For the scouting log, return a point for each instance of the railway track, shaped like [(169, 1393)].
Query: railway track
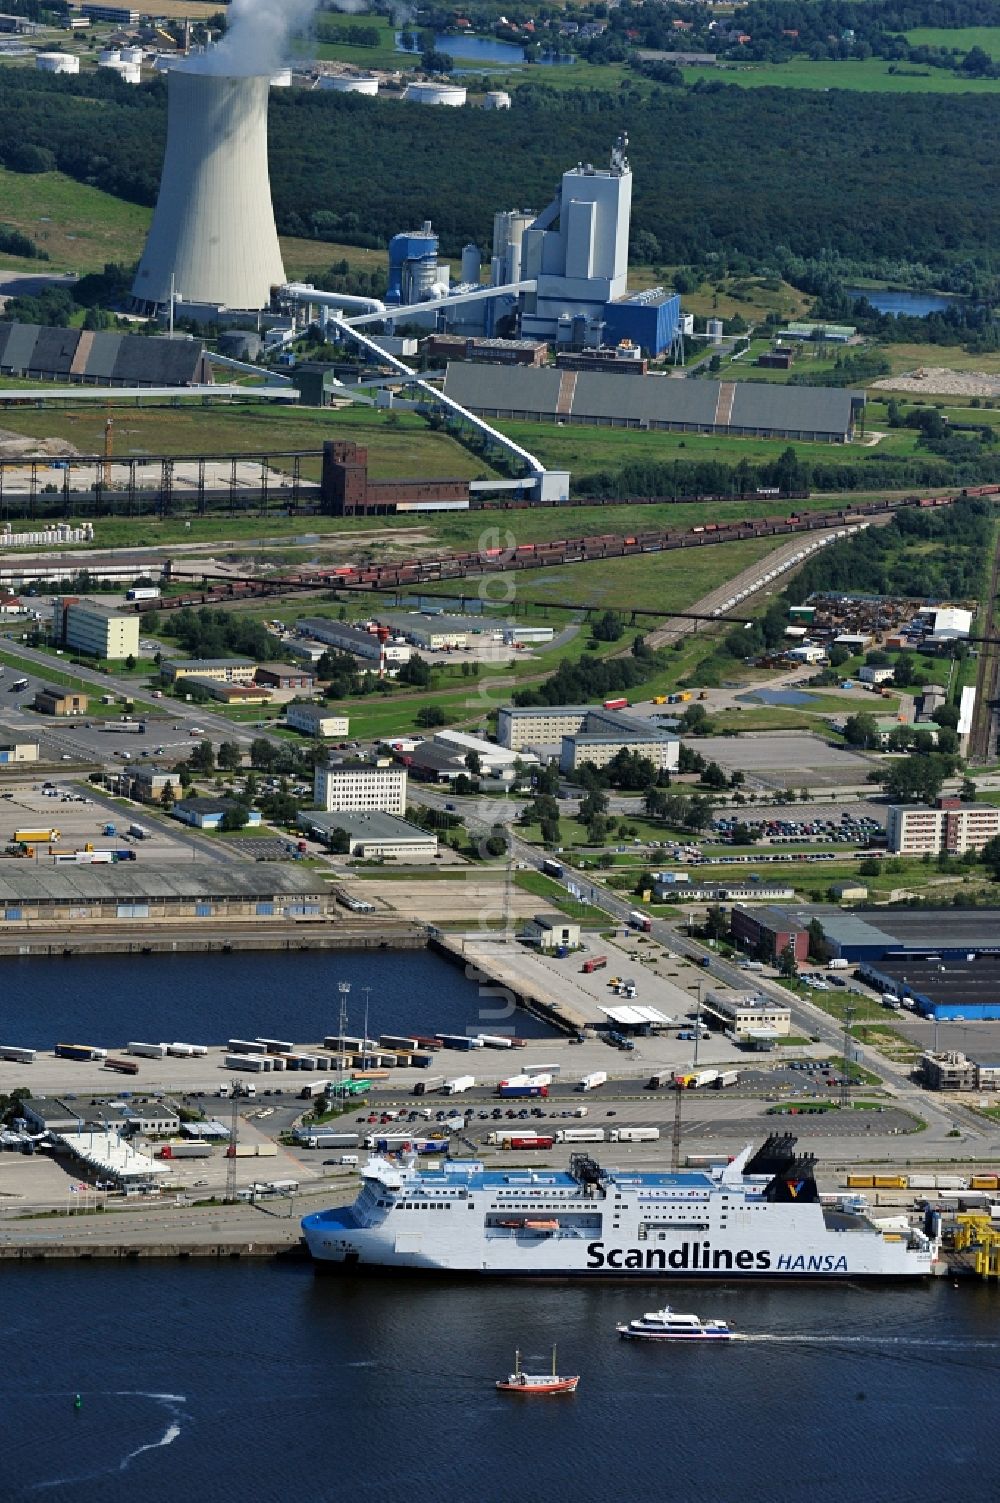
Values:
[(543, 555), (983, 736)]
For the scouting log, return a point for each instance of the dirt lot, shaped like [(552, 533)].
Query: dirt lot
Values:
[(468, 899)]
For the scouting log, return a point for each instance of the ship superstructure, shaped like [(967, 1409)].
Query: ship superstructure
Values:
[(758, 1216)]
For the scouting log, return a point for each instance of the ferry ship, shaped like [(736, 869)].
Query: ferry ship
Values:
[(757, 1217)]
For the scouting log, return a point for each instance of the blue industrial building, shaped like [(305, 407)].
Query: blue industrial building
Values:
[(650, 319), (413, 265)]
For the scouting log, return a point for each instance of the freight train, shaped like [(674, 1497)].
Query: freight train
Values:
[(561, 550)]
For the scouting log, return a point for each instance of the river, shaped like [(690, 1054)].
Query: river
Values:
[(236, 1383)]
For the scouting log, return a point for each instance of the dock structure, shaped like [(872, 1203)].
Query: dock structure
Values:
[(979, 1238)]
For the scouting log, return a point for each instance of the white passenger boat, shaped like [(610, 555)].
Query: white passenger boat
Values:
[(671, 1325)]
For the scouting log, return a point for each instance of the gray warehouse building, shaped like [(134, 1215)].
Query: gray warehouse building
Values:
[(742, 409), (100, 358), (88, 894)]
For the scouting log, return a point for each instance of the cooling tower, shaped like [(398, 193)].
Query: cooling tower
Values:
[(213, 227)]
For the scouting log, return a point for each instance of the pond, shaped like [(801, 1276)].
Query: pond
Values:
[(483, 50), (910, 304), (787, 698)]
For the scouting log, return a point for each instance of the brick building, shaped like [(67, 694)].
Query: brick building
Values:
[(347, 490), (768, 931)]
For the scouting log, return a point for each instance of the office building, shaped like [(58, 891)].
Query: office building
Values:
[(353, 639), (215, 670), (343, 787)]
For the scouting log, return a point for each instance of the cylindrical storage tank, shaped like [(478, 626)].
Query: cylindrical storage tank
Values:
[(129, 73), (350, 83), (213, 227), (56, 62), (436, 93), (496, 99), (471, 263), (282, 79), (240, 344), (714, 330)]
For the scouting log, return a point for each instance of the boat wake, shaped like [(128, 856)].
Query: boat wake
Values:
[(173, 1403), (819, 1338)]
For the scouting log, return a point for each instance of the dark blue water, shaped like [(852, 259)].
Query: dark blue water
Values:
[(243, 1384), (205, 999), (912, 304)]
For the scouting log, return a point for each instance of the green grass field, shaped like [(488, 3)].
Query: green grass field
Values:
[(960, 38), (871, 76), (83, 228)]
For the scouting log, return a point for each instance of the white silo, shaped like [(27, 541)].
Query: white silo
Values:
[(213, 239), (713, 328)]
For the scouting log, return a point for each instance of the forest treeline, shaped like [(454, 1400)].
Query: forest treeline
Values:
[(741, 171)]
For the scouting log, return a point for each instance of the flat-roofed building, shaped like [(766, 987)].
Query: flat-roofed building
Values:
[(103, 631), (373, 834), (286, 676), (347, 787), (551, 931), (55, 895), (952, 827), (316, 720), (15, 746), (353, 639), (210, 813), (766, 932), (214, 670), (747, 1015), (587, 734)]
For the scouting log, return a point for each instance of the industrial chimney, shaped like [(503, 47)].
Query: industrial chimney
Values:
[(212, 241)]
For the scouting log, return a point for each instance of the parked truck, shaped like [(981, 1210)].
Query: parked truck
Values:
[(519, 1092), (186, 1150), (640, 921), (36, 837), (726, 1078), (80, 1052), (314, 1088), (459, 1084), (580, 1135), (428, 1084), (593, 1080), (634, 1135), (327, 1139), (595, 963)]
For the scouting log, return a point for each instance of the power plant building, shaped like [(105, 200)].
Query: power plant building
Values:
[(212, 245)]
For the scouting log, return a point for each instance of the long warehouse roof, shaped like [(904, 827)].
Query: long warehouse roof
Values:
[(137, 882), (595, 396), (635, 1016)]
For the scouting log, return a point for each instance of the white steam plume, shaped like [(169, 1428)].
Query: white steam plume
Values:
[(257, 38)]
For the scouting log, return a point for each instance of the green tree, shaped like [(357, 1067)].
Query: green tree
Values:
[(131, 661), (607, 628), (819, 945), (861, 730), (430, 716), (202, 758), (230, 758), (167, 797), (474, 763), (788, 966), (990, 857), (716, 922), (968, 791), (338, 841), (237, 817)]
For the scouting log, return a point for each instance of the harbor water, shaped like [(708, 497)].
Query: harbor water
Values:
[(236, 1382), (205, 999)]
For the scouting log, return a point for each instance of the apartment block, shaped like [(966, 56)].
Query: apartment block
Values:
[(951, 828)]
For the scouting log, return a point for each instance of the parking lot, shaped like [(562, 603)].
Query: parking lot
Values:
[(87, 738), (82, 820), (791, 759)]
